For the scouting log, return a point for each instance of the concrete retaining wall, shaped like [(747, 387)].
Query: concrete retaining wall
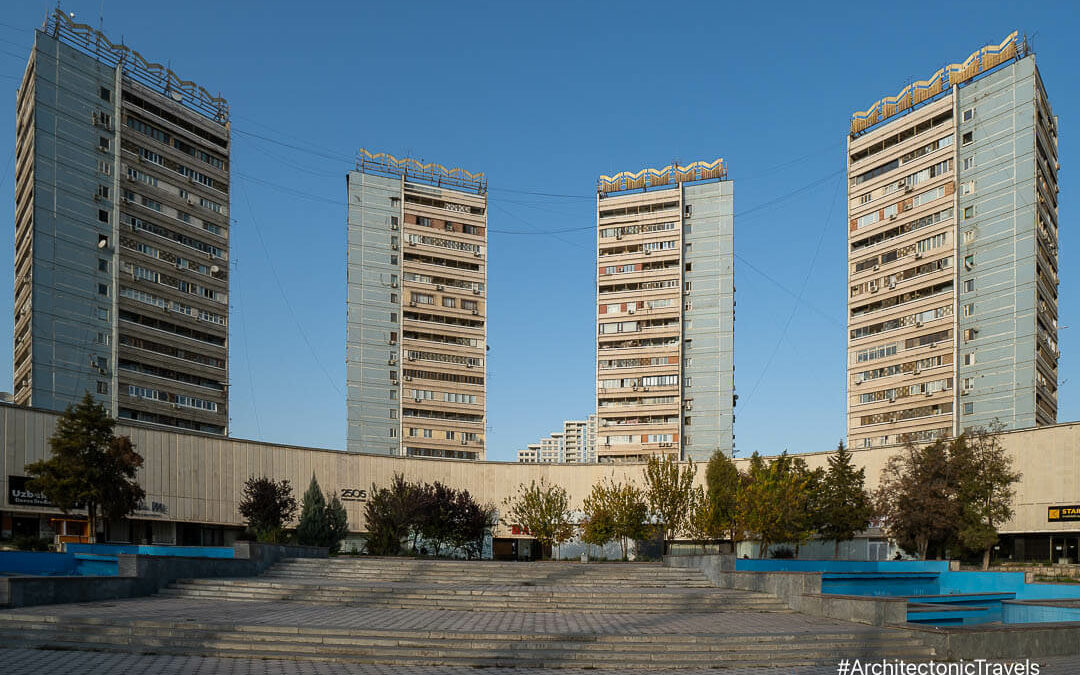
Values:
[(801, 591), (141, 575)]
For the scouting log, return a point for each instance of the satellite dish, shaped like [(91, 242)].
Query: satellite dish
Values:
[(214, 269), (177, 96)]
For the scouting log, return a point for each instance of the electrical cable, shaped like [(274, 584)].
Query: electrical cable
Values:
[(281, 289)]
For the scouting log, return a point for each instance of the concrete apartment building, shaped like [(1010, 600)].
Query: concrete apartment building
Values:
[(665, 313), (953, 254), (417, 309), (121, 234), (575, 444)]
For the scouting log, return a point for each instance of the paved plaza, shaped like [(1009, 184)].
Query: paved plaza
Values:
[(384, 616)]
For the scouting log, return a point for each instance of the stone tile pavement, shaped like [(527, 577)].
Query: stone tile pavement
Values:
[(43, 662)]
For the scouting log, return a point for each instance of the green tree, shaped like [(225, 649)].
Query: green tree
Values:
[(436, 520), (313, 529), (985, 479), (391, 514), (845, 505), (723, 482), (702, 521), (774, 501), (669, 491), (615, 511), (267, 505), (917, 497), (543, 510), (90, 466), (337, 521)]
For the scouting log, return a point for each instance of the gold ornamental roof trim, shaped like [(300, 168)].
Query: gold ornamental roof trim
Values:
[(154, 75), (980, 61), (672, 173), (433, 174)]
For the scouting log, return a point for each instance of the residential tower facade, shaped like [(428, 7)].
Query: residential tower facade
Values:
[(952, 252), (121, 234), (665, 313), (417, 309)]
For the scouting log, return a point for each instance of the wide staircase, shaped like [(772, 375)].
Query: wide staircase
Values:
[(441, 613)]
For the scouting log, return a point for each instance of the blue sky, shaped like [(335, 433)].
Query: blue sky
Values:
[(543, 98)]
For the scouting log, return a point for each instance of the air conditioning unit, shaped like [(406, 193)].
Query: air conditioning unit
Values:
[(468, 365), (476, 312), (476, 291), (892, 217), (964, 392), (438, 287), (132, 178), (618, 235), (418, 399), (892, 284), (929, 393), (631, 310), (688, 405), (877, 267), (918, 324), (908, 188), (393, 226), (918, 254), (412, 243), (464, 441), (392, 361), (647, 251), (394, 247), (411, 357), (97, 197), (412, 303), (476, 254), (408, 378), (393, 284)]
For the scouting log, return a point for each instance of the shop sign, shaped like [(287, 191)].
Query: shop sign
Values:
[(1062, 514), (520, 530), (353, 495), (18, 495)]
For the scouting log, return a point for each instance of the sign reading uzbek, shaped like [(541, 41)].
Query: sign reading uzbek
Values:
[(18, 495), (1062, 514)]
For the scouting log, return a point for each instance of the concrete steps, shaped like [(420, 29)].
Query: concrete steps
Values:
[(540, 650), (485, 598)]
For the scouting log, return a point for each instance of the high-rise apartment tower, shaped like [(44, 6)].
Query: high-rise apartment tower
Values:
[(417, 290), (121, 234), (952, 254), (665, 313)]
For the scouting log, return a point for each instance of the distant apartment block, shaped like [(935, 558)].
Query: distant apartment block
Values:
[(952, 254), (417, 306), (121, 234), (665, 314), (575, 444)]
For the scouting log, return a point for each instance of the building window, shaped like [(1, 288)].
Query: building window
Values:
[(967, 138), (103, 289), (969, 309), (967, 188), (969, 408), (969, 285), (102, 387), (969, 211), (412, 431), (427, 433), (103, 144), (865, 199), (393, 317), (103, 191), (102, 313), (449, 435), (969, 359), (104, 167), (689, 267), (686, 421), (103, 215), (102, 265), (969, 163), (689, 210), (969, 114), (449, 302), (393, 259), (688, 286), (393, 431), (105, 93), (969, 236)]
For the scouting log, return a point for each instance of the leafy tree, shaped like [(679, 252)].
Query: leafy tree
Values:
[(615, 511), (89, 466), (669, 490), (723, 482), (774, 501), (391, 513), (845, 505), (702, 521), (543, 510), (267, 505), (470, 522), (917, 497), (984, 487), (435, 519)]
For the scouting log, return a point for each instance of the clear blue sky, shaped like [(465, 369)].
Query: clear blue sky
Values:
[(543, 98)]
